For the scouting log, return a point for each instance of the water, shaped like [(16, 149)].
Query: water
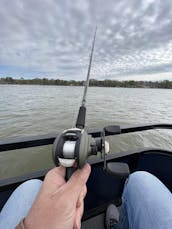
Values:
[(31, 110)]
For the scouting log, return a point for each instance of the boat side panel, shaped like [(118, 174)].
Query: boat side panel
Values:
[(158, 164)]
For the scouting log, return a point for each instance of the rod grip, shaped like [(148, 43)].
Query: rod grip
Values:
[(69, 172), (80, 122)]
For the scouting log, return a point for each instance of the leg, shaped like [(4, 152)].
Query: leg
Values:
[(19, 204), (147, 203)]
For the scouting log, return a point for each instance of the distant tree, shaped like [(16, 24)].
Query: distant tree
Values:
[(93, 82)]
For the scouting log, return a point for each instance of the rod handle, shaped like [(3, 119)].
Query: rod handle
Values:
[(69, 172), (80, 122)]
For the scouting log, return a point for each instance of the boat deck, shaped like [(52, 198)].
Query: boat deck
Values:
[(94, 222)]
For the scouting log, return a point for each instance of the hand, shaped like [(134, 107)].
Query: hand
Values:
[(59, 204)]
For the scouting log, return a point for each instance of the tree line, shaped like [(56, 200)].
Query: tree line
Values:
[(93, 82)]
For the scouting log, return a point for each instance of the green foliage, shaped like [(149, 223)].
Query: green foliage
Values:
[(93, 83)]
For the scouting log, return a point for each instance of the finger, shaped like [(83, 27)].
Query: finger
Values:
[(81, 196), (77, 181), (54, 179), (57, 171), (60, 170), (78, 216)]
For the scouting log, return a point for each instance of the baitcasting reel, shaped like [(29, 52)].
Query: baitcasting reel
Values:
[(72, 148)]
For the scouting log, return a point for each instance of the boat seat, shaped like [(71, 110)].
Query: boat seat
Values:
[(158, 163)]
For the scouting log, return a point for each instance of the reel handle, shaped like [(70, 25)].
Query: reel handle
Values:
[(69, 172)]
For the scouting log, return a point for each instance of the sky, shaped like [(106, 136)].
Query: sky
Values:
[(52, 39)]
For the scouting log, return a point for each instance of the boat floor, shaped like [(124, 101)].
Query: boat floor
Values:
[(94, 222)]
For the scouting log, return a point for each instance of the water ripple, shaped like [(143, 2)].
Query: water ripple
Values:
[(31, 110)]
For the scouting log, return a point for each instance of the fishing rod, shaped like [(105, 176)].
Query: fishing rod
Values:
[(73, 146), (80, 123)]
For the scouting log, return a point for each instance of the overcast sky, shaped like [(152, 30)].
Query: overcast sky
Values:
[(52, 38)]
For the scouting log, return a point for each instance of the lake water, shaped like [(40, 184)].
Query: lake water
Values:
[(30, 110)]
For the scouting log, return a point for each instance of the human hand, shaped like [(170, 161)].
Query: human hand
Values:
[(59, 204)]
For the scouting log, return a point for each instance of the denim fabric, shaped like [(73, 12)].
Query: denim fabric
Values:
[(147, 203), (19, 203)]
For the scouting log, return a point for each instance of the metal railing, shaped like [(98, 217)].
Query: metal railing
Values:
[(48, 139)]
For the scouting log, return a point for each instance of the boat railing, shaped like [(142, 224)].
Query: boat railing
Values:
[(8, 144)]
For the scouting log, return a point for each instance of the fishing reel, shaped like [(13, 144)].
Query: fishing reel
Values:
[(72, 148), (68, 145)]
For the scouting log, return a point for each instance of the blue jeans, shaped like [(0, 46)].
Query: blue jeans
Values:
[(147, 204), (19, 203)]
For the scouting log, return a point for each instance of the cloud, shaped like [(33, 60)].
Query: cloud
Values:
[(53, 37)]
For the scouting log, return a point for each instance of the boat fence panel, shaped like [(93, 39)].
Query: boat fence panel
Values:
[(47, 139)]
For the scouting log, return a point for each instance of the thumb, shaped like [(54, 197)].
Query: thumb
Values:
[(78, 180)]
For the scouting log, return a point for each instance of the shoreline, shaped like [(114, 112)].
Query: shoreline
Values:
[(166, 84), (23, 84)]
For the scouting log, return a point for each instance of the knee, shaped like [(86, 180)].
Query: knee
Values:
[(139, 178), (139, 185), (31, 186), (25, 194)]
